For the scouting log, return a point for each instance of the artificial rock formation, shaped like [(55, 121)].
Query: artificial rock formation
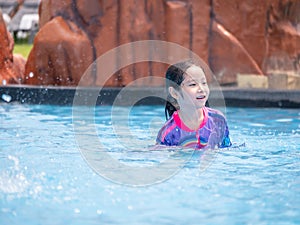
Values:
[(12, 66), (231, 36)]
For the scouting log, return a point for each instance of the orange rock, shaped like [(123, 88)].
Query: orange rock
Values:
[(230, 36), (11, 66), (200, 29), (19, 66), (224, 60), (178, 24), (6, 44), (60, 55), (48, 9), (246, 21), (283, 37)]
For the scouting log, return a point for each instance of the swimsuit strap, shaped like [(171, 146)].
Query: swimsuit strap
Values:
[(181, 124)]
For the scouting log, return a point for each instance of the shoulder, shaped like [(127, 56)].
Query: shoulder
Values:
[(219, 122), (214, 113), (216, 116), (166, 130), (167, 126)]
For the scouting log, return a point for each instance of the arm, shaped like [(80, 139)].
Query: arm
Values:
[(226, 140)]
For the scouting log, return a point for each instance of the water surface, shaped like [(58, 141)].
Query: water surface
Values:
[(45, 180)]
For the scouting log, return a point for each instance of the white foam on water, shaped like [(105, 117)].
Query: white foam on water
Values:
[(257, 124), (13, 181), (284, 120)]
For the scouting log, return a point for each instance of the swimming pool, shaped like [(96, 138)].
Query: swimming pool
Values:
[(45, 180)]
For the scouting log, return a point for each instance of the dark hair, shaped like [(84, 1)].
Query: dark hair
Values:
[(174, 77)]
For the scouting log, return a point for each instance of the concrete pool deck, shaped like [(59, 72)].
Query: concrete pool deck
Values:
[(233, 96)]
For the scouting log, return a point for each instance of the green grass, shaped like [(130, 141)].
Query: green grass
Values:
[(23, 49)]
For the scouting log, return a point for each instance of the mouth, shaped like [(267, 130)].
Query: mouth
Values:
[(201, 97)]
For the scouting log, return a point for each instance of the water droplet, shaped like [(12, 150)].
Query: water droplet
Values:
[(77, 210), (6, 97), (31, 74)]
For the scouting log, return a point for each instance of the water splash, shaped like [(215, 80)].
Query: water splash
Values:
[(13, 180), (6, 98)]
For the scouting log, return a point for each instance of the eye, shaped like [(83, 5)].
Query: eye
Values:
[(192, 84), (204, 82)]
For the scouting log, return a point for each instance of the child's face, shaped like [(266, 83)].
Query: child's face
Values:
[(194, 89)]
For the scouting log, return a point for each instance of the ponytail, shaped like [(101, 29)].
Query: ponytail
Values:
[(169, 110)]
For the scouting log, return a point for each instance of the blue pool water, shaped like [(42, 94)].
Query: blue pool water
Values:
[(44, 178)]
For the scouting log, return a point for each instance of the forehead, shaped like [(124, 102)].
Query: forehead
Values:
[(195, 73)]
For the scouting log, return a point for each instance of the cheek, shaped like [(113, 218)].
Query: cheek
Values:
[(207, 90), (188, 97)]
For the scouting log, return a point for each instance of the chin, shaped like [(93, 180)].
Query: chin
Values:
[(200, 104)]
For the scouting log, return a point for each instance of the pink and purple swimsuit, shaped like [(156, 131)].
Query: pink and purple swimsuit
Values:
[(212, 132)]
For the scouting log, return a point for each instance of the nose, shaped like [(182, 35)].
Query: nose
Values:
[(200, 87)]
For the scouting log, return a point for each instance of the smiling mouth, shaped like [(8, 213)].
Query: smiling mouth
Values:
[(200, 97)]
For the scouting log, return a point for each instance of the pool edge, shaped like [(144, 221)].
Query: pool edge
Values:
[(233, 96)]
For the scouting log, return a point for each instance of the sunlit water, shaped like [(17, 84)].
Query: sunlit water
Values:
[(45, 180)]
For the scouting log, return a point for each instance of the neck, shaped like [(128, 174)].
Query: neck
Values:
[(191, 118)]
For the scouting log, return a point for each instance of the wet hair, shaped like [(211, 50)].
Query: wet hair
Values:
[(174, 76)]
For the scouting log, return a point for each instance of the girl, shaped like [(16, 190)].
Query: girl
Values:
[(189, 122)]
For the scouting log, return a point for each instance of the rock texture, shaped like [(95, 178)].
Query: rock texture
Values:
[(258, 37), (283, 37), (231, 36), (12, 66)]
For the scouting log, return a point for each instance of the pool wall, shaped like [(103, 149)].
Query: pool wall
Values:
[(233, 96)]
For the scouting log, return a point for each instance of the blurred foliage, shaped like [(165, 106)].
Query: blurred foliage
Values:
[(23, 48)]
